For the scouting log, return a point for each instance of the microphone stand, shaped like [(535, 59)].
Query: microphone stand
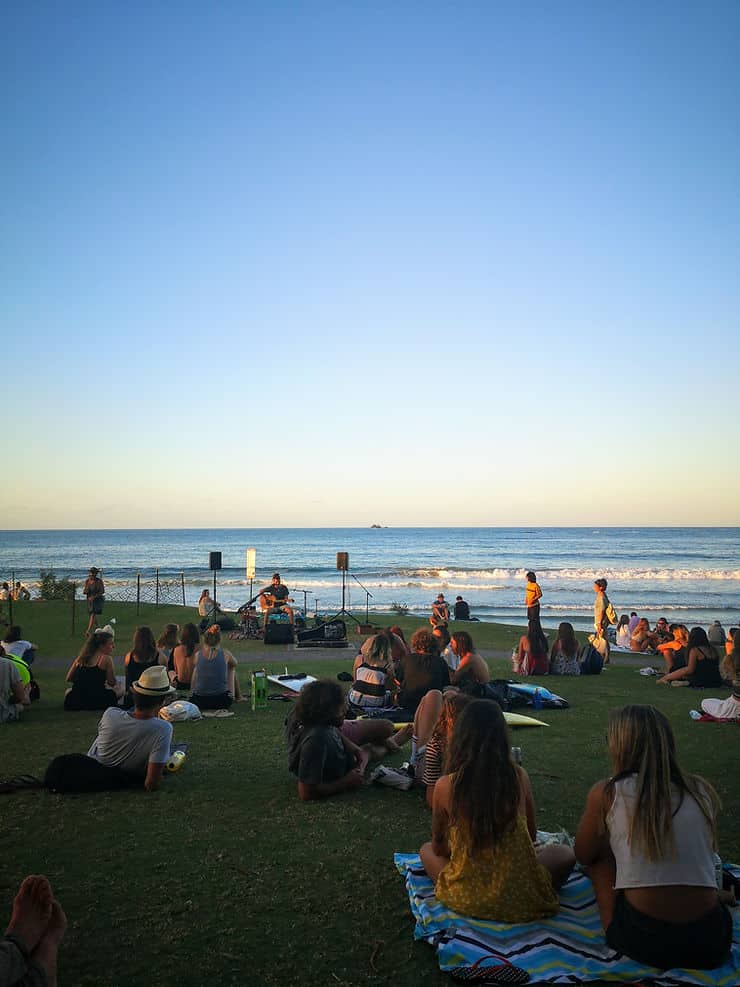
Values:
[(368, 594)]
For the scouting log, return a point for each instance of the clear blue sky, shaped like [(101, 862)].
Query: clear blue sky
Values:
[(343, 263)]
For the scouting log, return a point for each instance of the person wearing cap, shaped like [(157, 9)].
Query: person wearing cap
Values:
[(440, 612), (94, 590), (137, 741), (274, 599)]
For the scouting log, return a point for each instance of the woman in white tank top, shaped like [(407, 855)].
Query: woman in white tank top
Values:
[(646, 839)]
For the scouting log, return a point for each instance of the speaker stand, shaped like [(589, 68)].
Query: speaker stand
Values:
[(344, 612)]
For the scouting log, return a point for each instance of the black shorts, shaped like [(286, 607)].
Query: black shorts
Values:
[(95, 605), (222, 700), (703, 944)]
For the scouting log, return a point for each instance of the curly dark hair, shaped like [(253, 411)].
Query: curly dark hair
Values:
[(319, 703), (423, 642)]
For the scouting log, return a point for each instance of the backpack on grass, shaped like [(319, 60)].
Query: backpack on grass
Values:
[(590, 661)]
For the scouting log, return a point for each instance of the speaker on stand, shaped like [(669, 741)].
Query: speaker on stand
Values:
[(343, 567), (214, 564)]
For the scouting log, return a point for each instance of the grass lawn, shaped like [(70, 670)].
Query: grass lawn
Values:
[(225, 877)]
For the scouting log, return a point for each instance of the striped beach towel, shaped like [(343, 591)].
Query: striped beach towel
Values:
[(567, 949)]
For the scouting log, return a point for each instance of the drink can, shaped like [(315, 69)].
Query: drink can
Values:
[(176, 761), (516, 755)]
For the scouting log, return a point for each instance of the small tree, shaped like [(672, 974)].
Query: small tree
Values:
[(51, 588)]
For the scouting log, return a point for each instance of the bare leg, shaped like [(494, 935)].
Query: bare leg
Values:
[(426, 716), (433, 863), (232, 682), (400, 737), (31, 911), (603, 873), (559, 860), (45, 954), (371, 731)]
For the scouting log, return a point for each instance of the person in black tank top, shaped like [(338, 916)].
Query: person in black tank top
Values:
[(144, 654), (91, 675)]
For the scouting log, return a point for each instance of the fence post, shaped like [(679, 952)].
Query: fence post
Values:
[(74, 604), (156, 591), (138, 591), (182, 583)]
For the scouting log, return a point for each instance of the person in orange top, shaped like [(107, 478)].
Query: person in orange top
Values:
[(533, 596)]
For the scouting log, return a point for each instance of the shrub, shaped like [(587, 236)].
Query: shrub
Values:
[(400, 608), (51, 588)]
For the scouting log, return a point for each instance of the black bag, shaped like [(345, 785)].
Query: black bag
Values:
[(80, 773), (500, 693), (590, 660)]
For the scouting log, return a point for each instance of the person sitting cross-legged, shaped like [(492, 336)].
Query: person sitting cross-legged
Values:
[(215, 682)]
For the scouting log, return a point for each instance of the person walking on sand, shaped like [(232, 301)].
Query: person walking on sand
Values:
[(94, 590)]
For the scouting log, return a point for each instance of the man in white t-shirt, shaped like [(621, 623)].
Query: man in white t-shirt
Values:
[(137, 741)]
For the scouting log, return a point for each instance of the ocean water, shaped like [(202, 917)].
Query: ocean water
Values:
[(690, 575)]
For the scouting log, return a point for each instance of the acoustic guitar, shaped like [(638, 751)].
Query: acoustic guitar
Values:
[(268, 600)]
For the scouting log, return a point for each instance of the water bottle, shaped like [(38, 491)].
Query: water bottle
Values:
[(717, 870), (259, 689), (537, 699), (516, 755)]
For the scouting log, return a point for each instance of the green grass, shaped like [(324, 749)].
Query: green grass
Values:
[(225, 877)]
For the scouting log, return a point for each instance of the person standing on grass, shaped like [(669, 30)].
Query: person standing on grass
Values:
[(94, 590), (601, 620), (646, 840), (324, 760), (533, 596)]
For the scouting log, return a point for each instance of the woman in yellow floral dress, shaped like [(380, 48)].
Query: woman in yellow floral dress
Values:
[(481, 855)]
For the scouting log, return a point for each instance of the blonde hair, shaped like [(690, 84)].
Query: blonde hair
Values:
[(640, 743)]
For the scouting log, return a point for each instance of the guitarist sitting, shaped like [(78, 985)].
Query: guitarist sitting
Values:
[(275, 598)]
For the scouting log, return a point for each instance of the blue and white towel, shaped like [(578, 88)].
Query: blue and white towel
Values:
[(567, 949)]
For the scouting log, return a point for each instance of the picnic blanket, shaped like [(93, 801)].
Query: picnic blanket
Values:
[(567, 949)]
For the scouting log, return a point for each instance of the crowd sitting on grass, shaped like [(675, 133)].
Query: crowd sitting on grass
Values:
[(482, 856)]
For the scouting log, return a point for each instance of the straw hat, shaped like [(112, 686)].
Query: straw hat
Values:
[(153, 681)]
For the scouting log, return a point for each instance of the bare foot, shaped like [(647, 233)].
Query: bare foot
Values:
[(400, 738), (45, 954), (31, 911)]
